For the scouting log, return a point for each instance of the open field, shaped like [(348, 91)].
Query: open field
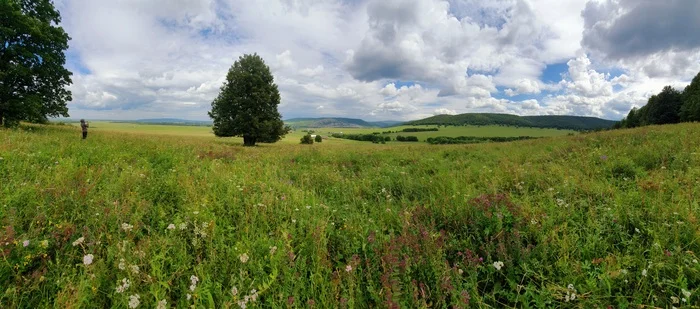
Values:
[(584, 221)]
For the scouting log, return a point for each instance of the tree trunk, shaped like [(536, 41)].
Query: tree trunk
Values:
[(249, 140)]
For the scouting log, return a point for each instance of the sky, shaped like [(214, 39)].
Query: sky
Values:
[(381, 59)]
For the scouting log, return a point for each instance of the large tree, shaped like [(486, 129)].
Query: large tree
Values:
[(247, 103), (690, 111), (33, 79)]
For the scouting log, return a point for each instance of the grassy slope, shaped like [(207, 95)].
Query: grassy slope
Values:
[(614, 214)]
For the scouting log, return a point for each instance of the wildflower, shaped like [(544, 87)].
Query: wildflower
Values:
[(244, 258), (44, 243), (189, 296), (272, 250), (294, 220), (124, 286), (171, 226), (25, 243), (636, 230), (348, 268), (460, 271), (695, 261), (194, 281), (87, 260), (78, 241), (182, 226), (127, 227), (134, 269), (234, 291), (242, 304), (570, 287), (134, 301), (675, 300), (122, 264), (686, 293), (162, 304), (498, 265), (195, 212), (644, 272)]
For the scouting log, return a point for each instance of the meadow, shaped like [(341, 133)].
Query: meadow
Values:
[(127, 219)]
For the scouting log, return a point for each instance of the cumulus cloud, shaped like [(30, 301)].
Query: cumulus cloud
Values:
[(633, 28), (444, 111), (168, 58)]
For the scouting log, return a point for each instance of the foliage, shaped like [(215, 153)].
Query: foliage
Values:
[(473, 139), (690, 111), (400, 138), (318, 138), (307, 139), (360, 137), (33, 80), (247, 103), (608, 218), (558, 122), (420, 130)]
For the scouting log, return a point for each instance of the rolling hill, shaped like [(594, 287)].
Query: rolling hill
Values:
[(557, 122), (337, 123)]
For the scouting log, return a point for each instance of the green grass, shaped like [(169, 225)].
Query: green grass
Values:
[(349, 224)]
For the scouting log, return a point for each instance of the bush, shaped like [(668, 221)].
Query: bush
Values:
[(318, 139), (307, 139), (420, 130), (400, 138)]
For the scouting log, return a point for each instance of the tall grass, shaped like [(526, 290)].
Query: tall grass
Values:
[(589, 221)]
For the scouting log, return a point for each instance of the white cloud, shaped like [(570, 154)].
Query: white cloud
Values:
[(168, 58), (444, 111)]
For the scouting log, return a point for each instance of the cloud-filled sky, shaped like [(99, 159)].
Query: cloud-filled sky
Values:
[(381, 59)]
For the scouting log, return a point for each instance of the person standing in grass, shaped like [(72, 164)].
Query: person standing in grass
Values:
[(84, 125)]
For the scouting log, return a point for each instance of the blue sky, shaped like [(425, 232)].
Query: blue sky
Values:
[(377, 59)]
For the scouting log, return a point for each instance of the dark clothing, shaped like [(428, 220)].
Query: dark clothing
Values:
[(84, 134), (84, 126)]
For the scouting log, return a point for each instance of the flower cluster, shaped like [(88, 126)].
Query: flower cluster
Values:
[(134, 301), (127, 227), (248, 298), (498, 265), (193, 280), (244, 258), (570, 293), (123, 286)]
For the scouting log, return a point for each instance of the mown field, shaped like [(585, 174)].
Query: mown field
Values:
[(604, 220), (295, 136)]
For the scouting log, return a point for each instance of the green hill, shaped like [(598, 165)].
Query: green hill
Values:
[(336, 123), (557, 122)]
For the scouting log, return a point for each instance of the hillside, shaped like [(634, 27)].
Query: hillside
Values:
[(333, 123), (557, 122), (610, 216)]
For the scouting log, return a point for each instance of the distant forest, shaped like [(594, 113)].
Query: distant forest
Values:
[(555, 122), (669, 106)]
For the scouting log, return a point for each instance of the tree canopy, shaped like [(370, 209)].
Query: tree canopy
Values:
[(669, 106), (33, 79), (247, 103)]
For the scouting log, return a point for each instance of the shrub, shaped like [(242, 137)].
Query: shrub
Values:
[(307, 139), (318, 139)]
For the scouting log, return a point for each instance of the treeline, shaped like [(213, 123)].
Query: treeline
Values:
[(420, 130), (473, 139), (669, 106), (363, 137), (555, 122), (400, 138), (374, 138)]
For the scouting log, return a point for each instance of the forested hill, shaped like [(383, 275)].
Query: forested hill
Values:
[(557, 122), (336, 123)]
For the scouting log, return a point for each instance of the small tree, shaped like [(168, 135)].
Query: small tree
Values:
[(318, 139), (33, 80), (247, 104), (307, 139)]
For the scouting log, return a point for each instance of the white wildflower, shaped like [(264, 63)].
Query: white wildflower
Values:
[(194, 281), (182, 226), (498, 265), (308, 207), (123, 286), (244, 258), (348, 268), (134, 269), (686, 293), (273, 249), (127, 227), (644, 272), (460, 271), (25, 243), (675, 300), (134, 301), (695, 261), (162, 304), (242, 304), (87, 260), (570, 287), (636, 230), (234, 291), (78, 241), (171, 226), (189, 296), (122, 264), (195, 212)]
